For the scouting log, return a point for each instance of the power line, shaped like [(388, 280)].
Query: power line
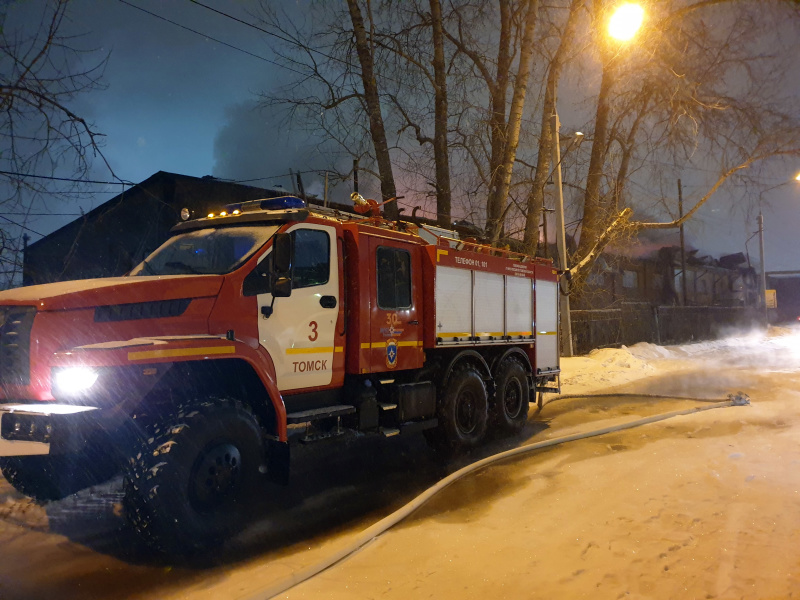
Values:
[(21, 226), (130, 183), (316, 171), (23, 214), (270, 33), (287, 40), (70, 179), (157, 16)]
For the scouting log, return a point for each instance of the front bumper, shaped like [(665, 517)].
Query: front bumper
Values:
[(27, 429)]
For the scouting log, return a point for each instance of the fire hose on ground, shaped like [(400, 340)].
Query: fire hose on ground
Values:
[(373, 532)]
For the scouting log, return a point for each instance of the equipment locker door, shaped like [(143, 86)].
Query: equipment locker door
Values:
[(396, 286), (300, 333)]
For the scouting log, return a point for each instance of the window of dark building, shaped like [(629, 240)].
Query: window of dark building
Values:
[(596, 279), (394, 278)]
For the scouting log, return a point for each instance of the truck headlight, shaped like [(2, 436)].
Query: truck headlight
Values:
[(74, 380)]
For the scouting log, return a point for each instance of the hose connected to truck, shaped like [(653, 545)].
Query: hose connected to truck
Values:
[(373, 532)]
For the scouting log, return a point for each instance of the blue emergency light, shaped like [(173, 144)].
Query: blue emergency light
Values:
[(280, 203)]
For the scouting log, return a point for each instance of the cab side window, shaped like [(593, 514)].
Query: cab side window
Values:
[(394, 278), (312, 258), (310, 263)]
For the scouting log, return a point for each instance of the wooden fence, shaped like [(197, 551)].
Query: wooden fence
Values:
[(633, 322)]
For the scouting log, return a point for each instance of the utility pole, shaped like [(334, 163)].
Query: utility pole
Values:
[(561, 238), (763, 300), (683, 245)]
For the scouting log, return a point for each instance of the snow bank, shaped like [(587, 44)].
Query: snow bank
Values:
[(777, 349), (603, 368)]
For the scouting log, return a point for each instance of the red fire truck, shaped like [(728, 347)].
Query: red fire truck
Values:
[(266, 324)]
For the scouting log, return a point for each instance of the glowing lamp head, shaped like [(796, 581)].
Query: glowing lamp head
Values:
[(74, 380), (625, 22), (185, 214)]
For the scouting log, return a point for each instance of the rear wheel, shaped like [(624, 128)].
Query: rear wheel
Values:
[(462, 412), (509, 410), (189, 486)]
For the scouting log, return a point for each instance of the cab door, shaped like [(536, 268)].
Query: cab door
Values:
[(395, 316), (300, 331)]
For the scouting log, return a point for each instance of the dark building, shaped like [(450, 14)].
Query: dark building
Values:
[(114, 237), (657, 278)]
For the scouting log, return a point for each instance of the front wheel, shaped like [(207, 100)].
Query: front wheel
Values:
[(462, 412), (189, 486)]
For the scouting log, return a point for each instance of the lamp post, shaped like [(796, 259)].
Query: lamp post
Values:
[(622, 26), (561, 236), (763, 265)]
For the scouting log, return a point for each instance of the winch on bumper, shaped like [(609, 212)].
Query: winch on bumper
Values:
[(32, 429)]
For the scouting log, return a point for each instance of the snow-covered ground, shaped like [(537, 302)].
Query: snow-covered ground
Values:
[(705, 505)]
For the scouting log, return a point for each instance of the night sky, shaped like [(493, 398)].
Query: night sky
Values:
[(177, 101)]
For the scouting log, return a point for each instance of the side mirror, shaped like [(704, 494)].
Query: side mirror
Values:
[(281, 287), (282, 254)]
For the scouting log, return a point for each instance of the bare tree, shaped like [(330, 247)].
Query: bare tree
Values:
[(455, 81), (697, 91), (337, 93), (365, 51), (545, 146), (41, 72)]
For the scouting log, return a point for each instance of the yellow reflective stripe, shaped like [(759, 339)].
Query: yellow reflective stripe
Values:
[(309, 350), (520, 333), (339, 349), (486, 333), (440, 253), (382, 345), (175, 352), (546, 333), (453, 334)]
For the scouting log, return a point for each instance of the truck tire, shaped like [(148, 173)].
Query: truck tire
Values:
[(512, 399), (462, 412), (53, 477), (188, 487)]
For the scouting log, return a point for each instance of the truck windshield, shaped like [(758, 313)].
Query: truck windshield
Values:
[(211, 251)]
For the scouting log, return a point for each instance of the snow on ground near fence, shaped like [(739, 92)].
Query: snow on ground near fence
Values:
[(605, 368)]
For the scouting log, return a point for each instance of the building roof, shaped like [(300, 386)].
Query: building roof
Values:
[(194, 190)]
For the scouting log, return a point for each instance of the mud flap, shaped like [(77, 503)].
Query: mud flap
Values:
[(278, 462)]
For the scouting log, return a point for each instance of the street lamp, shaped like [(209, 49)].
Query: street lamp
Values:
[(625, 21)]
